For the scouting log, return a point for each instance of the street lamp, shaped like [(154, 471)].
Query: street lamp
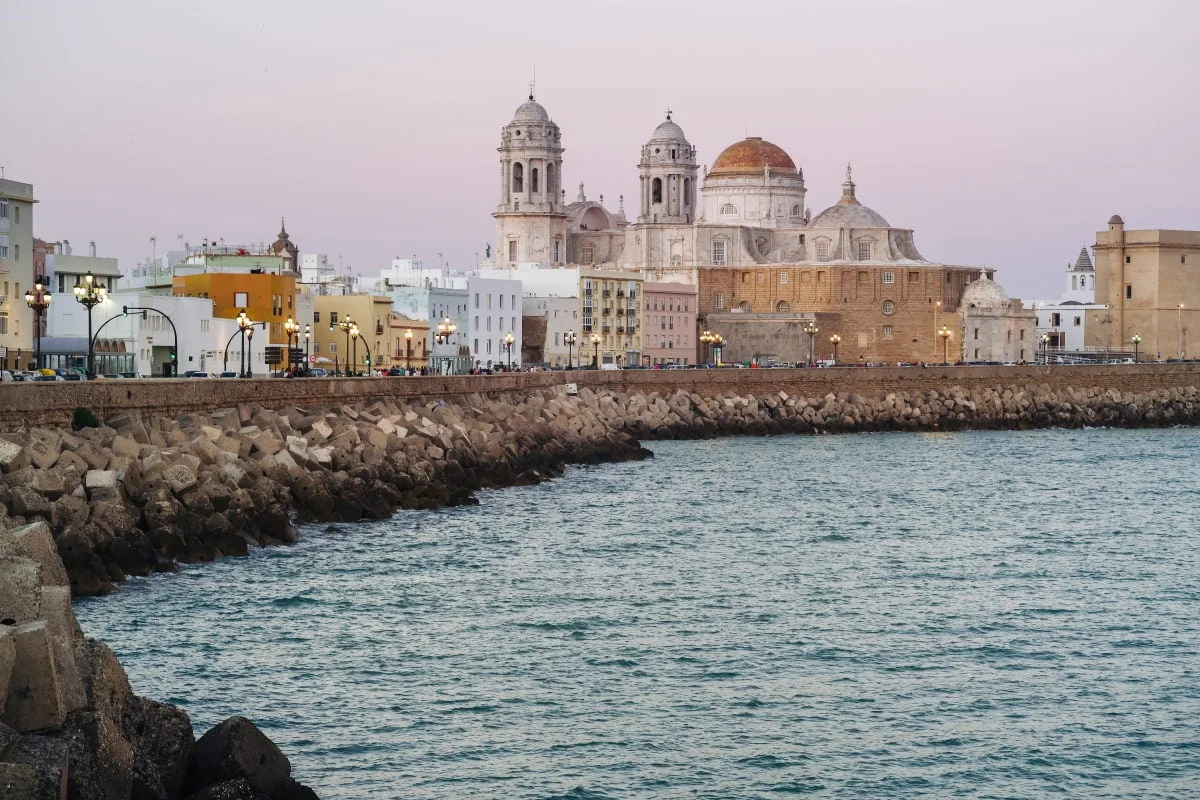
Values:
[(718, 347), (1179, 328), (811, 330), (595, 351), (508, 345), (835, 340), (408, 350), (936, 308), (291, 328), (354, 345), (570, 339), (445, 329), (707, 338), (307, 339), (344, 326), (38, 298), (247, 328), (945, 334), (1136, 339), (92, 294), (1045, 348)]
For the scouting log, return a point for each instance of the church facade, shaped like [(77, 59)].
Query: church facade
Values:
[(765, 267)]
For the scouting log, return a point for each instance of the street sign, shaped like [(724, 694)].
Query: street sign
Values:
[(312, 359)]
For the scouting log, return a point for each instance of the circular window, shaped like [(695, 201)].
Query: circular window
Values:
[(889, 308), (518, 133), (656, 150)]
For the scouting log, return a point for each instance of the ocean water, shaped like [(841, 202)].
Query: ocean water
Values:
[(980, 614)]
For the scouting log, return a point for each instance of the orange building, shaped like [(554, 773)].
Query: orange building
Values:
[(264, 297)]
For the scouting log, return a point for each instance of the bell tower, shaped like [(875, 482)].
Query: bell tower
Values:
[(531, 218), (667, 172)]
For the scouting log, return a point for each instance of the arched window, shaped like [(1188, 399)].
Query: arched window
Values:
[(533, 180), (551, 186), (656, 191), (744, 306), (518, 177), (782, 307), (728, 209), (796, 210), (687, 191)]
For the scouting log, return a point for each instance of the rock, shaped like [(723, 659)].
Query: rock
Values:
[(36, 768), (43, 452), (179, 477), (100, 758), (20, 590), (27, 502), (34, 700), (101, 483), (8, 659), (34, 541), (239, 789), (12, 456), (104, 679), (162, 740), (237, 749), (126, 447)]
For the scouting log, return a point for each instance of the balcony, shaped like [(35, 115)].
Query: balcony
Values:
[(620, 292), (606, 311), (606, 293), (631, 312), (620, 329), (587, 328), (606, 329)]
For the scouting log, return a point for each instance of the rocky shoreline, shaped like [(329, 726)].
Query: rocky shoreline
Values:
[(80, 510)]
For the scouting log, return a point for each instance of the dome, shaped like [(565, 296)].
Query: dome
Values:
[(848, 212), (984, 293), (531, 111), (749, 156), (670, 131), (1115, 219)]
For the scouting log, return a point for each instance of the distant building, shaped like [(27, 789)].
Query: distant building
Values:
[(611, 311), (493, 313), (560, 316), (341, 347), (1065, 321), (995, 327), (1149, 284), (669, 310), (16, 273)]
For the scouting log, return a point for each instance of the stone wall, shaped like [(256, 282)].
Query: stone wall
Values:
[(30, 404)]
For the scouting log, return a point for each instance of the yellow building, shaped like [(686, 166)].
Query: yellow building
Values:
[(264, 297), (408, 343), (1148, 281), (333, 343), (611, 308)]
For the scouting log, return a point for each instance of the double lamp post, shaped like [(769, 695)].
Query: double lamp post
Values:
[(38, 298), (90, 294)]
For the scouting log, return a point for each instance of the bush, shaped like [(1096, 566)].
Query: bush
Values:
[(84, 418)]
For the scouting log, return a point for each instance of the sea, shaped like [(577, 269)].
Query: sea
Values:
[(903, 615)]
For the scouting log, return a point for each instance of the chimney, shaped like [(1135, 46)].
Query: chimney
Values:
[(66, 246), (92, 249)]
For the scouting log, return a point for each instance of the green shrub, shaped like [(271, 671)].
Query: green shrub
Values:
[(84, 418)]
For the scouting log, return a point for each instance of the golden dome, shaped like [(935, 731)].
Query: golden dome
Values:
[(749, 156)]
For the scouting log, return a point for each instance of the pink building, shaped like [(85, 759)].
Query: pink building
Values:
[(669, 334)]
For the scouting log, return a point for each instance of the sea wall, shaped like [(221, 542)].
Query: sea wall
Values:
[(28, 404)]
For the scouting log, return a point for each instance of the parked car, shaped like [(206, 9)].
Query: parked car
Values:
[(228, 374), (395, 372), (130, 375), (48, 378), (317, 372), (69, 375), (6, 376), (197, 373)]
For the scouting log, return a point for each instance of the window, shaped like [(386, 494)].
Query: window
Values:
[(1129, 291), (1022, 336), (533, 180), (333, 317), (17, 251), (557, 249), (889, 277), (1182, 259), (1078, 321), (477, 299), (476, 326), (687, 192), (782, 307), (518, 180), (333, 347), (4, 324), (744, 306), (240, 299), (977, 334), (588, 253), (1128, 260), (3, 209), (822, 250), (16, 215), (718, 254), (796, 210), (887, 331), (783, 277), (1055, 320), (501, 301), (889, 308), (550, 184), (864, 251), (719, 301), (656, 191), (728, 209), (512, 252)]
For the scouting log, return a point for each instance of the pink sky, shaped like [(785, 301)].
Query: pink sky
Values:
[(1005, 133)]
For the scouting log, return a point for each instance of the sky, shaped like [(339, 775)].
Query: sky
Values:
[(1004, 133)]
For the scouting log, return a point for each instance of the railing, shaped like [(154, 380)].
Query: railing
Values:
[(606, 311), (606, 293)]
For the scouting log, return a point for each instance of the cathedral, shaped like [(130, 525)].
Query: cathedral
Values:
[(779, 282)]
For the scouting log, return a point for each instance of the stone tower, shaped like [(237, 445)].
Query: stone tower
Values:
[(531, 219), (667, 172)]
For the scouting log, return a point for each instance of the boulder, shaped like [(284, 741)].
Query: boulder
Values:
[(12, 456), (34, 700), (162, 740), (8, 659), (239, 789), (237, 749), (36, 768), (101, 483), (43, 451), (179, 477), (35, 541), (100, 758), (104, 679), (20, 590)]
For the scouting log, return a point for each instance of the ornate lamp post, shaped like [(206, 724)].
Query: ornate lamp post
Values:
[(445, 329), (1137, 340), (570, 339), (408, 350), (38, 298), (90, 294), (1179, 328), (292, 329), (508, 345), (1045, 348), (595, 351), (344, 326), (811, 330), (707, 338), (718, 348), (835, 340), (945, 334), (307, 340), (247, 328), (354, 332)]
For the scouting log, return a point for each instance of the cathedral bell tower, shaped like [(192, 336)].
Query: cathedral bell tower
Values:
[(531, 219), (667, 171)]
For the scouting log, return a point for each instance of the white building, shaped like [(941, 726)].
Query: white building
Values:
[(494, 310), (16, 273), (995, 326), (1065, 321), (562, 317)]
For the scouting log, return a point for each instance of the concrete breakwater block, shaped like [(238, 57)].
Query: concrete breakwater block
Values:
[(35, 541), (34, 700)]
